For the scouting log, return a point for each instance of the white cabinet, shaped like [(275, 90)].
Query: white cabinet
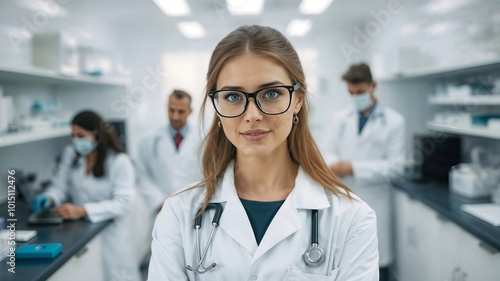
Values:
[(84, 265), (415, 240), (472, 259), (429, 247)]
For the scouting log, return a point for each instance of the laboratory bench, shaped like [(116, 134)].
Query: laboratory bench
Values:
[(77, 238), (437, 196), (436, 240)]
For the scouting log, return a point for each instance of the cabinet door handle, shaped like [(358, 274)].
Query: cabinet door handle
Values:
[(81, 252), (488, 248)]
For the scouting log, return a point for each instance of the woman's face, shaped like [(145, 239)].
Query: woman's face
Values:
[(254, 133), (78, 132)]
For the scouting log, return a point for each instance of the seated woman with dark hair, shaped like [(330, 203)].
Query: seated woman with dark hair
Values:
[(96, 181)]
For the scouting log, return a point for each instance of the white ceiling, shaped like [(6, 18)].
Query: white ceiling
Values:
[(111, 22)]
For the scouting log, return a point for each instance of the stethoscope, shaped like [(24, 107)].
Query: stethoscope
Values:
[(314, 256)]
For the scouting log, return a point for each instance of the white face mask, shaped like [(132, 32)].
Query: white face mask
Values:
[(362, 101), (84, 146)]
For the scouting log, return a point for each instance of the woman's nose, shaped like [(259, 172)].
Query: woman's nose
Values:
[(253, 112)]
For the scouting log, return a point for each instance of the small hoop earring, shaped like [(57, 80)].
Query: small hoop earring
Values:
[(295, 120), (219, 124)]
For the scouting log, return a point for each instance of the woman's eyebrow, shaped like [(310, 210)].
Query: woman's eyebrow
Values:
[(273, 83)]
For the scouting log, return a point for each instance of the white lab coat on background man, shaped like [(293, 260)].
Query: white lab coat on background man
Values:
[(169, 157), (377, 155), (105, 198), (162, 169), (279, 255)]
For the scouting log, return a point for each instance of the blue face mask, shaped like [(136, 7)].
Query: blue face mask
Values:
[(84, 146), (362, 101)]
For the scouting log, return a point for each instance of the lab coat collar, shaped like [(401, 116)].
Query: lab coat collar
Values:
[(378, 110), (306, 194), (234, 220), (183, 131)]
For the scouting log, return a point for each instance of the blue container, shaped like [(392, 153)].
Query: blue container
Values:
[(39, 251), (482, 120)]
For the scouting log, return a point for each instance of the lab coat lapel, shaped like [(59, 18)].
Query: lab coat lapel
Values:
[(305, 195), (234, 220), (351, 136), (169, 143), (371, 124), (285, 223), (163, 146)]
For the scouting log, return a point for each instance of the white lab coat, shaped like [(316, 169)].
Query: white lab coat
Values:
[(109, 197), (162, 169), (347, 234), (377, 155)]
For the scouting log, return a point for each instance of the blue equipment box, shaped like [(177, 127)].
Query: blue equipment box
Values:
[(39, 251)]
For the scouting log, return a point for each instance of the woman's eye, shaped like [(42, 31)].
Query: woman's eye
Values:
[(232, 97), (271, 94)]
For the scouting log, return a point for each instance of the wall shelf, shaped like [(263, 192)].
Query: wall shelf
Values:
[(30, 136), (487, 100), (39, 76), (468, 130), (446, 71)]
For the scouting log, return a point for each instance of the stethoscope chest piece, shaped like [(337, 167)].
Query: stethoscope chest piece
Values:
[(314, 256)]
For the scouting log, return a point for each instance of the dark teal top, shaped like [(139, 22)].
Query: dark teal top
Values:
[(260, 215)]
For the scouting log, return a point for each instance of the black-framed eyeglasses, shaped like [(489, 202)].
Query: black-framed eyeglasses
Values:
[(273, 100)]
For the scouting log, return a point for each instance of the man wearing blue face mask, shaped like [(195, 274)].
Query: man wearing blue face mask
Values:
[(366, 149)]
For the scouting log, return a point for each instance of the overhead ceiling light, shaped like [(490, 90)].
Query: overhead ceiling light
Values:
[(409, 29), (245, 7), (314, 7), (298, 28), (173, 8), (439, 28), (191, 29), (52, 8), (444, 6)]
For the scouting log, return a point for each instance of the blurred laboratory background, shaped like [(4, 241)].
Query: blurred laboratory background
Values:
[(436, 62)]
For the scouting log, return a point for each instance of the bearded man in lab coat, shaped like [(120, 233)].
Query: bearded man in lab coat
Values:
[(365, 148), (169, 157)]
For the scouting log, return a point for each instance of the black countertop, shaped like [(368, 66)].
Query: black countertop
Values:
[(437, 196), (73, 235)]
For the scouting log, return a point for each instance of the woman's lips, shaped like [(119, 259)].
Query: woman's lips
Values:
[(255, 135)]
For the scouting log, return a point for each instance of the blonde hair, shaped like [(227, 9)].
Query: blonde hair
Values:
[(219, 151)]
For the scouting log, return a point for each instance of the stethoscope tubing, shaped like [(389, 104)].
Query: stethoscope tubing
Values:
[(197, 227), (215, 223), (314, 227)]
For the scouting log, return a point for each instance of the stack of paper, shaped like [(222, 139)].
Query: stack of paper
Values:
[(489, 213)]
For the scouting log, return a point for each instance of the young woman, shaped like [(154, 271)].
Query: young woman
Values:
[(96, 181), (283, 215)]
